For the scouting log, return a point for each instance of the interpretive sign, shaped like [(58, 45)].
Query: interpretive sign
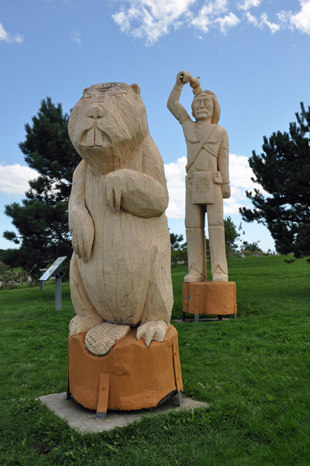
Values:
[(55, 271), (54, 268)]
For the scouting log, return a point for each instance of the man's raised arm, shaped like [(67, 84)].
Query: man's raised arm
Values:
[(177, 110)]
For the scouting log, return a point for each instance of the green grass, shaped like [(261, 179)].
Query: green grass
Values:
[(253, 371)]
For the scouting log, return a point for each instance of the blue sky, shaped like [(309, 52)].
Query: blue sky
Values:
[(253, 54)]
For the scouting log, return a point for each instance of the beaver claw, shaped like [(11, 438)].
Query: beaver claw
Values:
[(152, 330)]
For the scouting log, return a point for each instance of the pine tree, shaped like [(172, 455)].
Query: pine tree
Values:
[(283, 170), (42, 218), (231, 234), (175, 240)]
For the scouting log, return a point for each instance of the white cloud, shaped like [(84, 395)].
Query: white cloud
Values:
[(176, 207), (175, 172), (8, 38), (175, 175), (76, 37), (251, 18), (209, 15), (301, 20), (272, 26), (14, 178), (231, 206), (122, 20), (227, 22), (202, 21), (154, 17), (263, 21), (240, 181), (240, 174), (284, 17), (247, 4), (151, 19)]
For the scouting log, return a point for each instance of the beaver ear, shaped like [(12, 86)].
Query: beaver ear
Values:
[(136, 88), (85, 90)]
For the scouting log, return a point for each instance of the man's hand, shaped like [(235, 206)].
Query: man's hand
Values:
[(179, 80), (184, 77), (226, 190)]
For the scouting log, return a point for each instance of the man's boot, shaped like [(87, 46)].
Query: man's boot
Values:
[(196, 251)]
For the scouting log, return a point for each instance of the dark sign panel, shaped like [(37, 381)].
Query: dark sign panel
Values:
[(52, 271)]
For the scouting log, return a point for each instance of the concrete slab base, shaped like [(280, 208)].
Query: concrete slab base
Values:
[(83, 420)]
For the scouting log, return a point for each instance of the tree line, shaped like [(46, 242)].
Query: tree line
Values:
[(282, 170)]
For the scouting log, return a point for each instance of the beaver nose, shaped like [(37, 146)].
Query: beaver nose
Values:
[(95, 112)]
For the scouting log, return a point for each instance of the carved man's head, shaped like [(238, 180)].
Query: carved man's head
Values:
[(205, 105)]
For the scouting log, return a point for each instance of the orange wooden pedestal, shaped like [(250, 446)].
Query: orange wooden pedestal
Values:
[(131, 376), (215, 298)]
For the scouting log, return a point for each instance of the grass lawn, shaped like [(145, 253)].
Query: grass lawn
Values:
[(253, 371)]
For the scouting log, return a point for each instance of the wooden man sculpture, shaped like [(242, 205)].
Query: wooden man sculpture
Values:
[(207, 180)]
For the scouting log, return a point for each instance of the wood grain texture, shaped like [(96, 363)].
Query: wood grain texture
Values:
[(207, 180), (120, 269)]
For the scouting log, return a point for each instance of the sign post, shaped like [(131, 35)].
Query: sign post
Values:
[(42, 281), (40, 267), (55, 271)]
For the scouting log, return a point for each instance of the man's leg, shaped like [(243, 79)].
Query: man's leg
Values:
[(217, 238), (196, 241)]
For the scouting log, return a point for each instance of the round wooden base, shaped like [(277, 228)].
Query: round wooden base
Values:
[(131, 376)]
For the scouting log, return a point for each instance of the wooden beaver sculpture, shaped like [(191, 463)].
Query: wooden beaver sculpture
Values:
[(120, 272)]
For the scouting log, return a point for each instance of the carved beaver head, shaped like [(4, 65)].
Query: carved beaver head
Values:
[(108, 124)]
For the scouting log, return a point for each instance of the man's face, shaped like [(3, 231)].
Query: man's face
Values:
[(203, 106)]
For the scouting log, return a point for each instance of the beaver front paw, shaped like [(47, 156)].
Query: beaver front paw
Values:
[(80, 324), (152, 330)]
